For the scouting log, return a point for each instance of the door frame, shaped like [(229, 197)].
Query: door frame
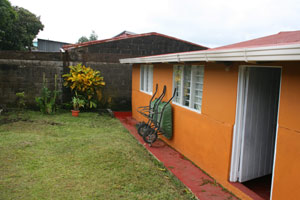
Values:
[(239, 122)]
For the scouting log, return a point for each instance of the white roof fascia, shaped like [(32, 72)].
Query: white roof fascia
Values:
[(270, 53)]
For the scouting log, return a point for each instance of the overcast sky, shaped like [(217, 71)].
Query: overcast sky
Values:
[(206, 22)]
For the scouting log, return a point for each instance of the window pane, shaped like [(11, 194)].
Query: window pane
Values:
[(146, 78), (198, 87), (198, 93), (177, 83), (187, 85), (142, 78), (150, 79), (197, 106), (189, 82)]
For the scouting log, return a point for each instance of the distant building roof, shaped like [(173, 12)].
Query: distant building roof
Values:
[(50, 45), (125, 34), (52, 41), (122, 36)]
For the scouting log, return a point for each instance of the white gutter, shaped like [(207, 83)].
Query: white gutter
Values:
[(270, 53)]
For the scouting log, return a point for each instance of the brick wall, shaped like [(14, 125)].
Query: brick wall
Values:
[(23, 72)]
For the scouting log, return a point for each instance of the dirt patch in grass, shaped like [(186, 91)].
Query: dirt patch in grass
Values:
[(8, 120)]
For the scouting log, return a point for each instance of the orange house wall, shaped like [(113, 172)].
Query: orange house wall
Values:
[(287, 164), (206, 138)]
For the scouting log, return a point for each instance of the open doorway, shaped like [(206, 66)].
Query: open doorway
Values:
[(256, 128)]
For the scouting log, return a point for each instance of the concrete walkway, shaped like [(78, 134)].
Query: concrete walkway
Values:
[(201, 185)]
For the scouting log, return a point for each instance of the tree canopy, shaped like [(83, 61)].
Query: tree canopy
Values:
[(92, 37), (18, 27), (83, 39), (7, 18)]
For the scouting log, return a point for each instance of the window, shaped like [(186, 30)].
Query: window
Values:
[(146, 79), (188, 80)]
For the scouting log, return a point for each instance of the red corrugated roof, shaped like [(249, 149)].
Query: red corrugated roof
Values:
[(281, 38), (122, 37)]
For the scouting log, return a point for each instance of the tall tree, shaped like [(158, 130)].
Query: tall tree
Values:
[(27, 26), (8, 16), (92, 37), (83, 39), (18, 27)]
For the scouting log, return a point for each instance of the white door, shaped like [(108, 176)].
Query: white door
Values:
[(259, 122)]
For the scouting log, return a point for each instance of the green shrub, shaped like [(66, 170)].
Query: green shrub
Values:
[(21, 103), (47, 101), (85, 82)]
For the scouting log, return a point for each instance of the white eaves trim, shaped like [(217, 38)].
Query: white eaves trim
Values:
[(269, 53)]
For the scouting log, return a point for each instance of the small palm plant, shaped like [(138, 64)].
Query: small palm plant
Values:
[(77, 103), (47, 101)]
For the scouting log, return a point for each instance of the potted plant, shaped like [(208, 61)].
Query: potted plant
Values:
[(77, 103), (85, 82)]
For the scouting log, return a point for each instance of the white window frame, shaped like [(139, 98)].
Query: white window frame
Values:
[(146, 79), (192, 85)]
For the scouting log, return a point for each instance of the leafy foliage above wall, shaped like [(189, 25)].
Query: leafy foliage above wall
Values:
[(18, 27), (92, 37)]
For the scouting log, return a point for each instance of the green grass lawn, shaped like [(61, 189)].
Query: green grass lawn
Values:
[(89, 157)]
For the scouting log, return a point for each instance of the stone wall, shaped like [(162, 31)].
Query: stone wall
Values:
[(23, 72), (117, 77)]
